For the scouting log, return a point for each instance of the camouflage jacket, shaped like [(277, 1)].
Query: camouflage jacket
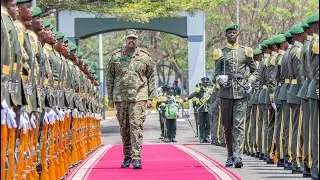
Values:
[(130, 76)]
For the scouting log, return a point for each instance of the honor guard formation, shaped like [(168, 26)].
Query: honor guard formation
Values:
[(261, 102), (50, 103)]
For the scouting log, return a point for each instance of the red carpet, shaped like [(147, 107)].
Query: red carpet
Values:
[(159, 162)]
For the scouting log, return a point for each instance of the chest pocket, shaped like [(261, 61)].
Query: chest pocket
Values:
[(138, 66)]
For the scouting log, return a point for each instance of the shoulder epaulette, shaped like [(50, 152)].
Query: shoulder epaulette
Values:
[(116, 51), (298, 53), (217, 54), (248, 51), (145, 51), (315, 47)]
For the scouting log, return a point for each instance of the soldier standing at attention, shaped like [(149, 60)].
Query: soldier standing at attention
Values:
[(131, 87), (231, 63)]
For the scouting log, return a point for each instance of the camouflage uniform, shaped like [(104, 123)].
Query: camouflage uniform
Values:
[(130, 85)]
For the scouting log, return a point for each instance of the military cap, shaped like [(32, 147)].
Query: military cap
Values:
[(72, 47), (257, 51), (270, 41), (46, 24), (305, 24), (23, 1), (280, 39), (36, 12), (59, 35), (65, 40), (205, 79), (96, 77), (91, 71), (288, 34), (79, 54), (232, 27), (263, 44), (297, 29), (131, 33), (313, 19)]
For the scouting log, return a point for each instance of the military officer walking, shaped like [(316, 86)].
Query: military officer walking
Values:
[(231, 63), (131, 88)]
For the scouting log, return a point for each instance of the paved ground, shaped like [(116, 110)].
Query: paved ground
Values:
[(253, 168)]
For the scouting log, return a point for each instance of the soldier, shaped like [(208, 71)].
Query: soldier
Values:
[(204, 95), (313, 94), (131, 88), (285, 106), (171, 114), (161, 99), (195, 102), (231, 63), (215, 118), (256, 127), (282, 45), (294, 101), (305, 58)]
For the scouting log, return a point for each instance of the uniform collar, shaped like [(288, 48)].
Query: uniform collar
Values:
[(136, 52), (4, 10), (309, 37), (48, 46), (290, 46), (20, 25), (266, 55), (230, 46), (315, 35), (297, 43), (281, 51), (274, 53)]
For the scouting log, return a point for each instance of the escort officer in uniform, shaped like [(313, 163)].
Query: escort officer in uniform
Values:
[(313, 94), (204, 95), (131, 88), (254, 114), (305, 58), (195, 102), (231, 63), (161, 99), (282, 45)]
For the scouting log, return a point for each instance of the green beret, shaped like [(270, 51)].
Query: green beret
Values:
[(47, 24), (59, 35), (257, 51), (313, 19), (91, 71), (79, 54), (23, 1), (36, 12), (297, 29), (288, 34), (271, 40), (86, 62), (263, 44), (65, 39), (96, 77), (232, 27), (72, 47), (281, 38), (305, 25)]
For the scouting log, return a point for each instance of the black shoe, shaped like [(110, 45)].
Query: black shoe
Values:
[(173, 140), (229, 161), (126, 162), (257, 155), (252, 155), (238, 163), (261, 157), (269, 160), (306, 171), (248, 153), (297, 170), (287, 166), (136, 164), (280, 163)]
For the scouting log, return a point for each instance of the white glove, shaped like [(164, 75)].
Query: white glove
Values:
[(317, 91), (3, 116), (222, 80), (24, 122), (52, 116), (74, 113), (32, 121), (46, 117), (248, 88), (274, 106), (11, 119)]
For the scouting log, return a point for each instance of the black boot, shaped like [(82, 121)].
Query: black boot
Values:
[(229, 161), (306, 171), (280, 163), (269, 160), (136, 164), (261, 157), (126, 162), (257, 155), (238, 162)]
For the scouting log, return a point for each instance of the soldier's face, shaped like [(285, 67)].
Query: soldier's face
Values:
[(13, 9), (25, 11), (205, 84), (258, 57), (37, 23), (131, 42), (315, 27), (232, 36)]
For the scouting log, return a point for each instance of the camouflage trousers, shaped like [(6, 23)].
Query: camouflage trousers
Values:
[(131, 116)]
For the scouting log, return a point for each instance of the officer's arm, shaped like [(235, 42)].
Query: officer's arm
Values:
[(110, 78), (250, 63), (315, 50), (272, 78), (297, 65), (150, 78), (218, 57), (194, 94)]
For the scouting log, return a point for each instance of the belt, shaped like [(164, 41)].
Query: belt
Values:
[(6, 68), (294, 81), (287, 81), (264, 87), (24, 79), (62, 84)]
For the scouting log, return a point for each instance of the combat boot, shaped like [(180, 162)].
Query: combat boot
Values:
[(280, 163), (238, 162), (306, 171), (126, 162), (229, 161), (136, 164)]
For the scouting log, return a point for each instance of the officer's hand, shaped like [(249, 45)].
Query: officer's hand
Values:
[(149, 104), (248, 88), (274, 106), (111, 104)]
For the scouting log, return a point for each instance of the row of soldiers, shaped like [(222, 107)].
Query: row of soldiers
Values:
[(50, 103), (282, 115)]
